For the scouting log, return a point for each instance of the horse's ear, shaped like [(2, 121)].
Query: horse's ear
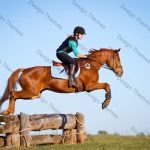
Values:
[(118, 50)]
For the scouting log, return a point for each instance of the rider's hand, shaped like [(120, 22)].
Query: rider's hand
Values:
[(82, 56)]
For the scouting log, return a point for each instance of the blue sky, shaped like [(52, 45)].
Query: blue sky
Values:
[(28, 27)]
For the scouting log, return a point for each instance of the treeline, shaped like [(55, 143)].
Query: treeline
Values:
[(103, 132)]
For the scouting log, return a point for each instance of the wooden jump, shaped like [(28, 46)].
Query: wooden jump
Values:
[(16, 129)]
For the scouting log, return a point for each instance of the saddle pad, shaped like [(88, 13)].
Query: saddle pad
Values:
[(56, 72)]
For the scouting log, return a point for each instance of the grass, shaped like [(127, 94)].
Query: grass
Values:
[(102, 142)]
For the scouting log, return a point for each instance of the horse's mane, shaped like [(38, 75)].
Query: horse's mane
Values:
[(93, 51)]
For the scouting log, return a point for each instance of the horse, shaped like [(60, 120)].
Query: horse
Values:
[(35, 80)]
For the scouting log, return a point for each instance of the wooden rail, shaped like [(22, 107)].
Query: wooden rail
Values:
[(15, 129)]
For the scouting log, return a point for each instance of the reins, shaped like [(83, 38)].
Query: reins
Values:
[(104, 65)]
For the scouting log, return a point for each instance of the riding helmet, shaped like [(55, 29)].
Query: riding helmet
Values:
[(79, 30)]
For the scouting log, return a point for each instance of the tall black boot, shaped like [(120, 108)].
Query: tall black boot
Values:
[(72, 82)]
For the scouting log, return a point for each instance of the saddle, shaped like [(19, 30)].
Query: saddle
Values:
[(66, 67)]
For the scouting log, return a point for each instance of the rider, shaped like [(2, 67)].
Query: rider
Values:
[(70, 45)]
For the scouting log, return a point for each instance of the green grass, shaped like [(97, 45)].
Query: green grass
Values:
[(102, 142)]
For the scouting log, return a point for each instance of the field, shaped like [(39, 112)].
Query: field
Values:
[(102, 142)]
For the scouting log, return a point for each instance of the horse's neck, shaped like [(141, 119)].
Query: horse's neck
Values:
[(84, 61)]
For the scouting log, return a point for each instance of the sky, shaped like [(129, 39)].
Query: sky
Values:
[(32, 30)]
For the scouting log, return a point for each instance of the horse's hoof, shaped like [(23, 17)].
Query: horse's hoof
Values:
[(105, 103), (103, 106)]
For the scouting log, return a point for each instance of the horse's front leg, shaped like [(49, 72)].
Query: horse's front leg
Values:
[(95, 86)]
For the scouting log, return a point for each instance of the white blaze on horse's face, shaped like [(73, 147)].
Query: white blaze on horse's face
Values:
[(118, 71), (117, 64)]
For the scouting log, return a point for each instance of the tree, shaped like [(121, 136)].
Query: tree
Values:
[(103, 132), (140, 134)]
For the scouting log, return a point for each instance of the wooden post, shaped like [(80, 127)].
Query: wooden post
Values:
[(11, 127), (69, 136), (80, 128), (25, 129), (11, 123), (12, 140), (2, 139)]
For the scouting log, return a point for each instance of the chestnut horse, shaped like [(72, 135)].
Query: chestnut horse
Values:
[(37, 79)]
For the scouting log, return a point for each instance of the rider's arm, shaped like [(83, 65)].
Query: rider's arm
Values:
[(73, 45)]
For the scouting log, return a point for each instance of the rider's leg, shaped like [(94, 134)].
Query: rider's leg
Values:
[(65, 58), (72, 82)]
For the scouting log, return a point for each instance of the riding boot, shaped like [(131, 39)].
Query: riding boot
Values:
[(72, 82)]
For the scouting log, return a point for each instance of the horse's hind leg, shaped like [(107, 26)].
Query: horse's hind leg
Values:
[(18, 95)]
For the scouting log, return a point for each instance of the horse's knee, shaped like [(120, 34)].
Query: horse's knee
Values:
[(107, 87), (12, 95)]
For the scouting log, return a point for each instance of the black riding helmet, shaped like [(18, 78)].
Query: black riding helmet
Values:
[(79, 30)]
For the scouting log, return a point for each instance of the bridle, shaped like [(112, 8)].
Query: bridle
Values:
[(104, 65)]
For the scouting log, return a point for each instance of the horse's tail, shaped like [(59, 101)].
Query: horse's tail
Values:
[(10, 85)]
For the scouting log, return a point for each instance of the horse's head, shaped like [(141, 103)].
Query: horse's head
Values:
[(114, 63), (109, 57)]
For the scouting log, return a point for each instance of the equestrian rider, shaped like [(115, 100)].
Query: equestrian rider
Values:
[(70, 45)]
